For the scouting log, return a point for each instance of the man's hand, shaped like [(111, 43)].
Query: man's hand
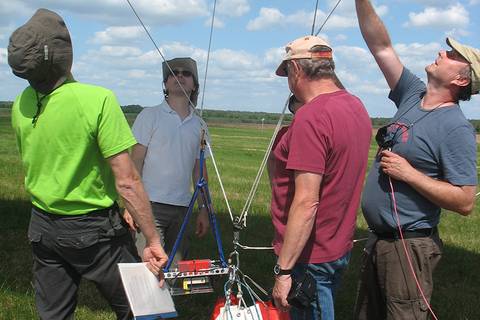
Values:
[(280, 292), (202, 223), (396, 166), (156, 259), (129, 220)]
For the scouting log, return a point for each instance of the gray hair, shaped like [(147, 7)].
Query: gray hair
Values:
[(465, 93), (322, 68)]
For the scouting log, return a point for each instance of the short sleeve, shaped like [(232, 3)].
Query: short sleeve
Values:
[(408, 86), (114, 134), (308, 144), (458, 156), (143, 126)]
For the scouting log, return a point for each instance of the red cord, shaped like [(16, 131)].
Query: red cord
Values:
[(406, 251)]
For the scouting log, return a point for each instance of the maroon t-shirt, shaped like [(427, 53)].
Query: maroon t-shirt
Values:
[(330, 136)]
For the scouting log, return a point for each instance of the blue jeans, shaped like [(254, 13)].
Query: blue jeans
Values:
[(328, 277)]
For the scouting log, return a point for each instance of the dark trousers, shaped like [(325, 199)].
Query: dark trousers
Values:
[(168, 220), (68, 248), (387, 289)]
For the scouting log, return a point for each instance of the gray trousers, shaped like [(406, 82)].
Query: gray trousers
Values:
[(69, 248), (168, 220)]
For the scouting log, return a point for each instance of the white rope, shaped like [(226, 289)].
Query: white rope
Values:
[(314, 18), (328, 17), (208, 57), (220, 181), (271, 248), (253, 248), (251, 195)]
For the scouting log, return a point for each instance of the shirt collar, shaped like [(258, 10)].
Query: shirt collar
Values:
[(165, 107)]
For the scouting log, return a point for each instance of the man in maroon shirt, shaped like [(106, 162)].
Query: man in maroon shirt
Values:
[(317, 172)]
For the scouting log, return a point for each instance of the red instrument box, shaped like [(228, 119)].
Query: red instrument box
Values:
[(194, 265)]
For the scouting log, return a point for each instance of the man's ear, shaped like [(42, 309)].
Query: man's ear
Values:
[(460, 81), (296, 67)]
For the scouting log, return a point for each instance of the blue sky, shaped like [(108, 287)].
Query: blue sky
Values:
[(111, 49)]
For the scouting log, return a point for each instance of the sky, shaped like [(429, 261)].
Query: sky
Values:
[(112, 50)]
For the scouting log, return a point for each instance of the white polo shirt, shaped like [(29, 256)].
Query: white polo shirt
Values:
[(173, 146)]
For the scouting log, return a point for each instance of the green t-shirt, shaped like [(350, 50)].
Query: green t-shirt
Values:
[(64, 154)]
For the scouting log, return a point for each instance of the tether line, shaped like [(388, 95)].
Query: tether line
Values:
[(328, 17), (208, 57), (314, 18)]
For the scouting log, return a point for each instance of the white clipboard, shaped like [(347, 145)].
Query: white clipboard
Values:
[(147, 300)]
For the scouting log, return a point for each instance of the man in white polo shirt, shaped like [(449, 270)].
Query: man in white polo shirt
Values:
[(167, 154)]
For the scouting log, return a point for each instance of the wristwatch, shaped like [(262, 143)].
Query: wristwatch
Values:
[(281, 272)]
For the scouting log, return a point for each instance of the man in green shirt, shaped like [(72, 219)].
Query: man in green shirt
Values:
[(73, 139)]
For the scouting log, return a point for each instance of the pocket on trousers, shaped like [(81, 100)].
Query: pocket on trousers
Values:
[(34, 237), (78, 241), (34, 230), (406, 309)]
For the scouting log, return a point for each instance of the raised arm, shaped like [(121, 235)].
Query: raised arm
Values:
[(378, 41)]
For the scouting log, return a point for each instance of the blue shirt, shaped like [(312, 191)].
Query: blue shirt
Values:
[(439, 143)]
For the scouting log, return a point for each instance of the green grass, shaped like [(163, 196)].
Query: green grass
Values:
[(238, 152)]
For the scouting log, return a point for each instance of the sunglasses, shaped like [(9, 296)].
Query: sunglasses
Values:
[(184, 73)]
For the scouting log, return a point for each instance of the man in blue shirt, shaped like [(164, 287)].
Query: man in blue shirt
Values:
[(426, 161)]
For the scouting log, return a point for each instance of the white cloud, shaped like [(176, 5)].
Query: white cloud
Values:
[(416, 56), (457, 33), (268, 17), (372, 88), (233, 8), (416, 50), (179, 49), (9, 8), (3, 55), (355, 56), (118, 35), (152, 12), (381, 10), (119, 51), (218, 23), (455, 16), (6, 31), (272, 17), (228, 59), (137, 74), (348, 8), (434, 3), (273, 56)]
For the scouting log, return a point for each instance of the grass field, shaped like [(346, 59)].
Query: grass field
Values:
[(238, 152)]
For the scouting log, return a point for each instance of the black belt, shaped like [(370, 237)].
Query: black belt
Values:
[(100, 212), (408, 234)]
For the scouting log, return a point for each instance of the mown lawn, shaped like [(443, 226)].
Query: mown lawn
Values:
[(238, 152)]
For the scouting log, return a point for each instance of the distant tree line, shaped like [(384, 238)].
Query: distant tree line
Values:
[(132, 108), (6, 104), (243, 116)]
